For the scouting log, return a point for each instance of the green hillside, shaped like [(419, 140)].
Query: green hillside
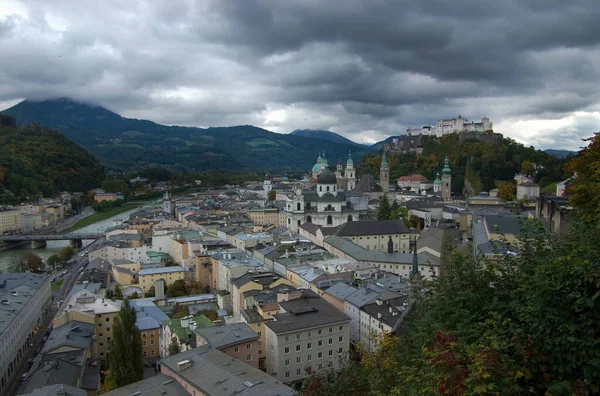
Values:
[(36, 160), (120, 143), (480, 164), (325, 135)]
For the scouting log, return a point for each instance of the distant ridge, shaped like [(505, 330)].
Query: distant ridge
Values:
[(560, 153), (122, 143), (325, 135)]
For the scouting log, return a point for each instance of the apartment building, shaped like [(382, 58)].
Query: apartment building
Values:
[(10, 220), (264, 216), (376, 234), (148, 276), (237, 340), (308, 334), (24, 300)]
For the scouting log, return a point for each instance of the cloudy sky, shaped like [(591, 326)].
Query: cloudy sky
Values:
[(364, 69)]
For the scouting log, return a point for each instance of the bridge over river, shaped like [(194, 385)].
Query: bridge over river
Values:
[(38, 241)]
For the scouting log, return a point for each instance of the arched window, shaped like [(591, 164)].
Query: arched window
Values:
[(329, 220), (349, 217), (320, 188), (289, 221), (299, 223), (308, 219), (327, 188), (329, 207), (298, 206)]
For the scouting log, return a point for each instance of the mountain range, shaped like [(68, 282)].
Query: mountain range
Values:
[(122, 143)]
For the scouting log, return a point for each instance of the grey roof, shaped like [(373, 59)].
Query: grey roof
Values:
[(91, 287), (329, 197), (214, 373), (158, 385), (327, 178), (57, 371), (227, 335), (390, 309), (305, 312), (505, 224), (341, 291), (431, 238), (16, 290), (361, 254), (74, 334), (372, 227), (99, 264), (367, 184), (263, 278), (160, 270), (363, 296), (310, 228), (55, 390)]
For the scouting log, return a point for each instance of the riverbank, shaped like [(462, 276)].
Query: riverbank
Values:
[(99, 216)]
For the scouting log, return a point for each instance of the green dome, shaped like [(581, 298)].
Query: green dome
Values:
[(316, 168), (349, 162), (437, 179)]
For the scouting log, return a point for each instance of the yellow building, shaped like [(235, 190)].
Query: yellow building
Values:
[(10, 220), (264, 216), (256, 317), (253, 281), (179, 250), (147, 277), (126, 273), (90, 308)]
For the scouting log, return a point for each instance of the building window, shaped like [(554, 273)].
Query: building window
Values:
[(320, 343), (152, 352), (287, 362), (298, 371), (286, 338), (287, 374), (151, 342), (309, 358), (236, 349), (297, 348), (145, 353), (297, 336), (331, 352), (144, 343), (107, 319), (309, 345), (329, 220), (330, 341), (341, 328), (248, 357), (341, 350), (101, 344), (331, 329), (248, 346), (309, 334), (320, 332), (320, 355), (298, 360), (286, 350), (341, 339)]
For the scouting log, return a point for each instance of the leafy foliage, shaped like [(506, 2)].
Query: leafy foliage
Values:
[(37, 161), (584, 189), (475, 165), (524, 324), (125, 359), (272, 195), (26, 262)]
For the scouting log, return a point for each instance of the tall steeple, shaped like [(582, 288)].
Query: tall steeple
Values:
[(414, 271), (350, 173), (446, 181), (384, 174)]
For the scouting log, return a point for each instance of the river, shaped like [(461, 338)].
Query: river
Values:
[(53, 247)]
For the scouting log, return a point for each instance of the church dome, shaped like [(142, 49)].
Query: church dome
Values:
[(437, 179), (316, 168), (327, 178)]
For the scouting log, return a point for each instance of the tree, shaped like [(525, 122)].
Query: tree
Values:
[(272, 195), (177, 289), (125, 359), (151, 292), (174, 348), (384, 212), (527, 168), (118, 294), (134, 295), (584, 188), (507, 191), (53, 261), (65, 254), (27, 262), (180, 311)]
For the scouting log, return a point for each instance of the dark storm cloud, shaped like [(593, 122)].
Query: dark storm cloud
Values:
[(363, 69)]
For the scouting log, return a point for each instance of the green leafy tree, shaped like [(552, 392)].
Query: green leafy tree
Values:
[(53, 261), (507, 191), (527, 168), (180, 311), (27, 262), (174, 347), (384, 211), (584, 188), (125, 359), (272, 195), (118, 294), (65, 254), (177, 289)]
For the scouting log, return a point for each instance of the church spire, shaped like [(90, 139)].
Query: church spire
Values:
[(384, 159), (414, 271)]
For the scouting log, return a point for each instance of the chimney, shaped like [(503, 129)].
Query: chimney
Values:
[(379, 301), (391, 309), (378, 315), (185, 322)]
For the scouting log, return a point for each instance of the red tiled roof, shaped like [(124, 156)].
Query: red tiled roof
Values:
[(413, 177)]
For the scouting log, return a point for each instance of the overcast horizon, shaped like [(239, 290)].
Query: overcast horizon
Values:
[(365, 70)]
